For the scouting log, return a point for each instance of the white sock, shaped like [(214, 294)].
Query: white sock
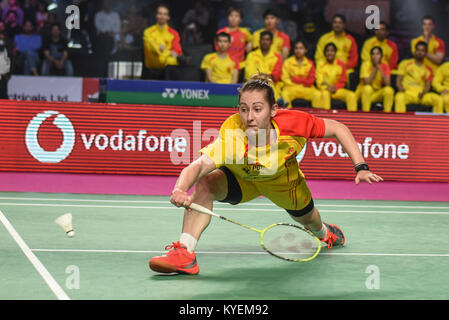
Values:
[(189, 241), (321, 234)]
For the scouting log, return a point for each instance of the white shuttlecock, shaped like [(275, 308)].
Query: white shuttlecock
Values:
[(65, 222)]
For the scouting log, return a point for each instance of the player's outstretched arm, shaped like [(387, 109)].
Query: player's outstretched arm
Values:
[(190, 175), (341, 132)]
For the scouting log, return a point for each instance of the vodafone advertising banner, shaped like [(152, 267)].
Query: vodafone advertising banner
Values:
[(161, 140)]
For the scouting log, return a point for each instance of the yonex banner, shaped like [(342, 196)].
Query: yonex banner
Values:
[(161, 140), (172, 93)]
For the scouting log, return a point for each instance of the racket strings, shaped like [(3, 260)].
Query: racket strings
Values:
[(290, 242)]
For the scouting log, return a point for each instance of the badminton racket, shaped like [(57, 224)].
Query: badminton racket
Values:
[(285, 241)]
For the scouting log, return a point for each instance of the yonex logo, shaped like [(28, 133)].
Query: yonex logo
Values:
[(32, 143), (170, 92)]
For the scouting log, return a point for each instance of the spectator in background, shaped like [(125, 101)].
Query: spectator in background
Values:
[(135, 23), (28, 45), (346, 47), (29, 11), (264, 60), (414, 82), (45, 30), (298, 77), (375, 82), (13, 6), (436, 49), (12, 25), (56, 55), (281, 41), (195, 23), (331, 80), (107, 24), (162, 45), (389, 48), (218, 66), (41, 15), (441, 84), (6, 61), (240, 37)]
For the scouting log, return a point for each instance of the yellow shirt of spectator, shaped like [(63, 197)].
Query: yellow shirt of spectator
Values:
[(256, 62), (155, 36), (346, 49), (222, 69), (389, 51), (434, 45), (367, 68), (280, 40), (441, 80), (414, 76), (331, 73), (295, 74)]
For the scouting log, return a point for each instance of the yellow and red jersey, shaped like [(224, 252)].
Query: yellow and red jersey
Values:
[(239, 38), (280, 40), (441, 80), (222, 69), (295, 74), (414, 76), (346, 49), (153, 37), (331, 73), (389, 51), (434, 45), (231, 148), (367, 68), (256, 62)]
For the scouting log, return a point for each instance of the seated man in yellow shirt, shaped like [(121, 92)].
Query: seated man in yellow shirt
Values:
[(414, 81), (218, 66), (281, 41), (298, 77), (346, 45), (375, 82), (264, 60), (389, 48), (161, 43), (441, 84), (331, 80), (436, 49)]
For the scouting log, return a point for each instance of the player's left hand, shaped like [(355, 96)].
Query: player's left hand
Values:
[(367, 176)]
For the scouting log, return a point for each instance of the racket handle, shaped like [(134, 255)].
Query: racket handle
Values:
[(201, 209)]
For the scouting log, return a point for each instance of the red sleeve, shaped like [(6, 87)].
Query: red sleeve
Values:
[(441, 46), (430, 77), (394, 56), (386, 69), (342, 81), (176, 43), (277, 70), (309, 80), (286, 39), (353, 58), (299, 124)]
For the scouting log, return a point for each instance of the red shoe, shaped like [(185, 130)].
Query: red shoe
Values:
[(177, 260), (334, 236)]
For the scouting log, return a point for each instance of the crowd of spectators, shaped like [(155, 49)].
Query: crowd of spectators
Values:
[(306, 62)]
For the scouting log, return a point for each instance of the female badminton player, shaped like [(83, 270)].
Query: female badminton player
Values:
[(254, 155)]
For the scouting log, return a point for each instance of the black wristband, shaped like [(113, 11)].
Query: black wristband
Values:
[(361, 166)]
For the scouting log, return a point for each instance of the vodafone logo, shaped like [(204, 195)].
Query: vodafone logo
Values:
[(32, 143)]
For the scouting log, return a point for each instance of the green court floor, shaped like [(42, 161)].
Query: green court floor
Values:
[(394, 250)]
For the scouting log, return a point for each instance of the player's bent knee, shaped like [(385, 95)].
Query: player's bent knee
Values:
[(212, 185), (300, 214)]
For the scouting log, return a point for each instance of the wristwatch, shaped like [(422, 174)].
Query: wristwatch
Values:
[(361, 166)]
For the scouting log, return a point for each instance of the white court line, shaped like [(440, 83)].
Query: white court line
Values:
[(219, 209), (251, 252), (51, 282), (243, 204)]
